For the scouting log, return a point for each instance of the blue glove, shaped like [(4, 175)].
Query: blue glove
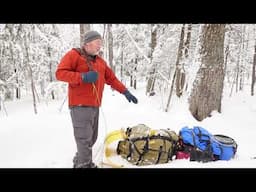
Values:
[(90, 76), (130, 97)]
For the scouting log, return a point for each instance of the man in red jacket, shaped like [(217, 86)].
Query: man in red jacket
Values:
[(86, 73)]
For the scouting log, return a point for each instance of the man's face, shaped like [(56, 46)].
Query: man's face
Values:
[(93, 47)]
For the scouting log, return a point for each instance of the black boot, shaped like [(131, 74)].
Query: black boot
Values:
[(86, 165), (92, 165), (75, 160), (82, 165)]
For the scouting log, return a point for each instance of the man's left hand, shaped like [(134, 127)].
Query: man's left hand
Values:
[(130, 97)]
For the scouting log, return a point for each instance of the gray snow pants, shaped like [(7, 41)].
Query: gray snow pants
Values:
[(85, 124)]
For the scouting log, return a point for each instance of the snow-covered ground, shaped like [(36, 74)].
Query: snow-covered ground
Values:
[(46, 140)]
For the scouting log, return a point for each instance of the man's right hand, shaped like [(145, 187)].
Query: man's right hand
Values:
[(90, 76)]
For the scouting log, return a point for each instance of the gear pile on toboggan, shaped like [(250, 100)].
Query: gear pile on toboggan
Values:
[(140, 145)]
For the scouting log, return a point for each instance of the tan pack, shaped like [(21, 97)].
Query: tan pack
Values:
[(146, 146)]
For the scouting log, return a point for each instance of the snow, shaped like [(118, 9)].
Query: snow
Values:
[(46, 140)]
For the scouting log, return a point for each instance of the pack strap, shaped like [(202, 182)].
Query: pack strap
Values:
[(201, 135), (159, 154), (147, 149), (85, 56)]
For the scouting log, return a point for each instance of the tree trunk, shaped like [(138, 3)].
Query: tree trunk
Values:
[(51, 73), (242, 67), (151, 75), (131, 80), (238, 70), (33, 89), (2, 104), (208, 85), (122, 63), (135, 79), (236, 74), (187, 42), (183, 81), (83, 29), (171, 90), (17, 89), (105, 42), (31, 76), (180, 74), (253, 70), (177, 72), (18, 95), (110, 47)]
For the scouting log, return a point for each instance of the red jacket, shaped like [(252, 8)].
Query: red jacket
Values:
[(84, 94)]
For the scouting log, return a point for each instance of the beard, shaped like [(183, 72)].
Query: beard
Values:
[(93, 53)]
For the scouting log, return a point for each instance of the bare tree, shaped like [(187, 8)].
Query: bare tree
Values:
[(151, 75), (122, 64), (239, 62), (178, 66), (33, 88), (253, 71), (110, 47), (83, 29), (181, 77), (188, 39), (133, 80), (208, 86), (180, 71), (30, 72), (2, 93), (51, 72), (242, 66), (105, 42)]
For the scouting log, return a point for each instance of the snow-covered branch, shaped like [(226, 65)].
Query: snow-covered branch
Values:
[(136, 45), (147, 59)]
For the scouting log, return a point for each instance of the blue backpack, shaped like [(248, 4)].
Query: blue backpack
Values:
[(207, 147)]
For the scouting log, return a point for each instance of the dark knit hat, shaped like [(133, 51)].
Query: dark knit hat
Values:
[(91, 35)]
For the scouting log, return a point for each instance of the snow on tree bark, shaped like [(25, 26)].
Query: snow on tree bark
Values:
[(208, 86)]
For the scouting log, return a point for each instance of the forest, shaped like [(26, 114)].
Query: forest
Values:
[(200, 62)]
